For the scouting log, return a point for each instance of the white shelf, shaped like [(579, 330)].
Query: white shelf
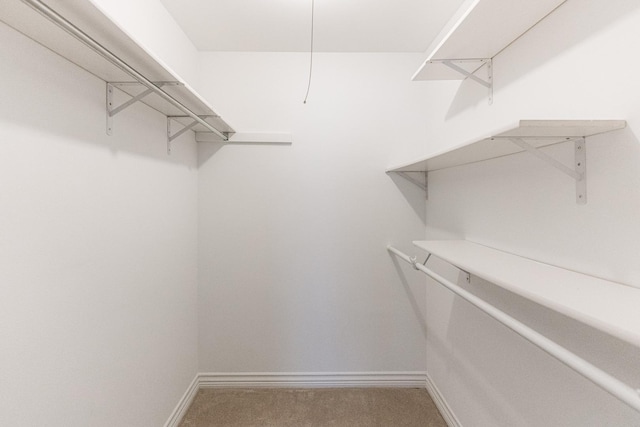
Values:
[(481, 29), (611, 307), (89, 18), (538, 133), (249, 138)]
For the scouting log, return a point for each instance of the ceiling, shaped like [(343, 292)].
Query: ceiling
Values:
[(285, 25)]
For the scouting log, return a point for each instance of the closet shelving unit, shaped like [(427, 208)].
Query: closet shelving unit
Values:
[(528, 135), (83, 34), (478, 32), (576, 295), (472, 38)]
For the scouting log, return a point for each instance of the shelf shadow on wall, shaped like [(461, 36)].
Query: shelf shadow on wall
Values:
[(491, 361), (461, 365), (415, 307), (571, 24), (206, 150), (415, 196)]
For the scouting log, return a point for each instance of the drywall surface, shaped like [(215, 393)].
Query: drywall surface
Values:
[(98, 272), (577, 64), (294, 272), (149, 23)]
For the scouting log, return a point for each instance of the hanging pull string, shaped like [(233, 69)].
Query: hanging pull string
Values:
[(311, 55)]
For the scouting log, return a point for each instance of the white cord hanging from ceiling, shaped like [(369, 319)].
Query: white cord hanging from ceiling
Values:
[(311, 55)]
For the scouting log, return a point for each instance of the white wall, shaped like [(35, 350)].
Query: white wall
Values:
[(294, 274), (580, 63), (98, 271), (150, 25)]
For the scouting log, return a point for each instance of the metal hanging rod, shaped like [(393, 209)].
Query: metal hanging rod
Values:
[(63, 23), (594, 374)]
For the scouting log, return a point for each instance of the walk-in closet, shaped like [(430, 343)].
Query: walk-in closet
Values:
[(319, 212)]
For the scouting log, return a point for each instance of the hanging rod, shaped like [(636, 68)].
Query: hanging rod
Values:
[(594, 374), (63, 23)]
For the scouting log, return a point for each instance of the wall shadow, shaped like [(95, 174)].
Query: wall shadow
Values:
[(206, 150), (415, 307), (413, 194), (493, 362)]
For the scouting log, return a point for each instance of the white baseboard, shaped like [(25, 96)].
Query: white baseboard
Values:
[(313, 379), (184, 403), (441, 403), (294, 380)]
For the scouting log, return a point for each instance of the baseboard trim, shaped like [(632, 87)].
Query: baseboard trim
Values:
[(296, 380), (184, 403), (441, 403), (313, 379)]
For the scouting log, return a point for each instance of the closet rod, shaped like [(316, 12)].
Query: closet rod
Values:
[(610, 384), (63, 23)]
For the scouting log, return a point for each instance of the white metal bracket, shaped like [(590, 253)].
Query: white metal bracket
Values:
[(466, 276), (173, 135), (112, 111), (414, 262), (424, 184), (578, 173), (470, 75)]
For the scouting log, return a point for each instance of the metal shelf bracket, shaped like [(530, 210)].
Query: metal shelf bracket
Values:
[(422, 184), (484, 61), (466, 276), (112, 111), (173, 135), (578, 173)]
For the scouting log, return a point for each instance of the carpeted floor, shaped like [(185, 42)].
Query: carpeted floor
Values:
[(348, 407)]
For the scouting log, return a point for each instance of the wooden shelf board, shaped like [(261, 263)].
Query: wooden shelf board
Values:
[(482, 29), (538, 133), (607, 306)]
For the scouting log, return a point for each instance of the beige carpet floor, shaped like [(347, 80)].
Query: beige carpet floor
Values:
[(348, 407)]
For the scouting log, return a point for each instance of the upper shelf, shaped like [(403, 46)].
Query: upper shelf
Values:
[(538, 133), (608, 306), (480, 29), (90, 19)]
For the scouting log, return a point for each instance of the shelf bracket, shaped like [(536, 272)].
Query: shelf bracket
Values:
[(465, 274), (579, 174), (112, 111), (486, 83), (173, 135), (424, 185)]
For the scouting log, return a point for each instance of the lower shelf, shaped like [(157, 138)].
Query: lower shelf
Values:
[(611, 307)]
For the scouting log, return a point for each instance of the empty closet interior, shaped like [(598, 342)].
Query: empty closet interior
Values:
[(412, 194)]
